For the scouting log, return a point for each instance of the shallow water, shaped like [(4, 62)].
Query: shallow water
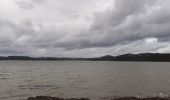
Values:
[(95, 80)]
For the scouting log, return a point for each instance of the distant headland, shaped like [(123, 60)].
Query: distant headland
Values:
[(155, 57)]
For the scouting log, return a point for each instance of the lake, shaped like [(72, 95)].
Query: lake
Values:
[(92, 79)]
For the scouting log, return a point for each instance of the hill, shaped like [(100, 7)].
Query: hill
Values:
[(157, 57)]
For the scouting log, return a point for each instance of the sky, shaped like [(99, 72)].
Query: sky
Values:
[(83, 28)]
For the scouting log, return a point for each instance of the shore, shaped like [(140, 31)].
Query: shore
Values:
[(120, 98), (54, 98)]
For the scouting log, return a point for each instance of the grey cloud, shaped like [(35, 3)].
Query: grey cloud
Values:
[(132, 20), (6, 32), (29, 4), (122, 28), (25, 5), (120, 12)]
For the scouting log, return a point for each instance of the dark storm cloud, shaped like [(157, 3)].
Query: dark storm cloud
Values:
[(131, 20)]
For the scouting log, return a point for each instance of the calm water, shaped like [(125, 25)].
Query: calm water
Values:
[(95, 80)]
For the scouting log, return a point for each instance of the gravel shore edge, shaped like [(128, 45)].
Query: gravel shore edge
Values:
[(119, 98)]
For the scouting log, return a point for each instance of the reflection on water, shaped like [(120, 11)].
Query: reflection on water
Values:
[(95, 80)]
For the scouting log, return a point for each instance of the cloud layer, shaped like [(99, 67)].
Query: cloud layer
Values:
[(83, 28)]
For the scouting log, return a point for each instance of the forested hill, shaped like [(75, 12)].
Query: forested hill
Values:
[(126, 57)]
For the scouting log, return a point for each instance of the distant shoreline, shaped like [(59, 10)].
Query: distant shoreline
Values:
[(143, 57)]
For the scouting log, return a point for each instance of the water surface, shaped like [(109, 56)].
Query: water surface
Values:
[(95, 80)]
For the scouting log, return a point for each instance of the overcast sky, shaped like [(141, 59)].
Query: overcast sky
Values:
[(84, 28)]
